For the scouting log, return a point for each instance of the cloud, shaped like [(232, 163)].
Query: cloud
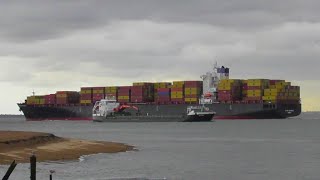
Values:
[(42, 20), (136, 49)]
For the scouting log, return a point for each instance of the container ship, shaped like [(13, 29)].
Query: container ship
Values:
[(228, 98)]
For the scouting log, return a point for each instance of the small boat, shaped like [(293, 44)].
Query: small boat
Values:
[(199, 114)]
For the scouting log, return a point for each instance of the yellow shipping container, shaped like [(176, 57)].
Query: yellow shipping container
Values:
[(177, 86), (270, 93), (254, 93), (123, 97), (280, 83), (177, 93), (279, 86), (31, 100), (271, 90), (163, 86), (224, 88), (111, 91), (244, 81), (230, 81), (269, 98), (177, 96), (85, 91), (190, 99), (142, 83), (178, 82), (85, 101), (97, 91), (111, 88), (258, 82), (41, 101), (192, 91)]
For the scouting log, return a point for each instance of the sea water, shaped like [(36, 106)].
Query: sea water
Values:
[(280, 149)]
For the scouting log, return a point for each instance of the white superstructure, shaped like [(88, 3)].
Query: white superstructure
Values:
[(105, 107), (211, 81)]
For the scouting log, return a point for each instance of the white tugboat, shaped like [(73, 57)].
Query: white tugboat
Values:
[(199, 113)]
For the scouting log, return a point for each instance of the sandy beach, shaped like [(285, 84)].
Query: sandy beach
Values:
[(16, 145)]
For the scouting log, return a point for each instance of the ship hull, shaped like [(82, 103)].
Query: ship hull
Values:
[(255, 111), (166, 112), (199, 118)]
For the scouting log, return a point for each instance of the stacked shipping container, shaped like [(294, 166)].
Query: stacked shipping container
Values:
[(142, 92), (162, 85), (255, 89), (229, 90), (86, 95), (98, 94), (192, 91), (111, 91), (124, 93), (162, 92), (163, 95), (35, 100), (50, 99), (177, 92), (67, 97), (281, 91)]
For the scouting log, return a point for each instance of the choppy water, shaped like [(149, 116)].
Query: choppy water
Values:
[(222, 150)]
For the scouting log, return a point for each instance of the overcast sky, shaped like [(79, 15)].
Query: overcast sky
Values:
[(62, 45)]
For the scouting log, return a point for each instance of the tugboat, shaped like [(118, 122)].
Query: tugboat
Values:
[(199, 114), (109, 110)]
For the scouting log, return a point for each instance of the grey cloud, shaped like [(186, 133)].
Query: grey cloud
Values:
[(156, 40), (25, 21)]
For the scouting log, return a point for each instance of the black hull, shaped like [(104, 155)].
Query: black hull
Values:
[(171, 112), (199, 118), (256, 111)]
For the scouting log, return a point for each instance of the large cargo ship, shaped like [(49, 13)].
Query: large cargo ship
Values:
[(228, 98)]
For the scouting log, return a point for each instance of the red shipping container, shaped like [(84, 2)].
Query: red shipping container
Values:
[(86, 96), (124, 87), (273, 82), (123, 94), (97, 97), (94, 95), (135, 93), (224, 92), (177, 99), (62, 101), (176, 89), (191, 96), (253, 98), (123, 100), (191, 84)]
